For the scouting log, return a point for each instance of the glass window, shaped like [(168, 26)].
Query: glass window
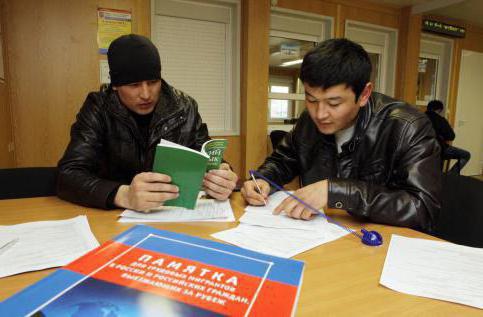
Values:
[(182, 38), (286, 90), (282, 89), (427, 79), (279, 108), (375, 61)]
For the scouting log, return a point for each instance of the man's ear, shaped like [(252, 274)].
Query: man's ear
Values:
[(365, 94)]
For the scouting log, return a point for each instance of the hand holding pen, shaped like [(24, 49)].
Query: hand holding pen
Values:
[(255, 191)]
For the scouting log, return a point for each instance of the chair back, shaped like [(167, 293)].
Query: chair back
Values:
[(461, 217), (446, 161), (27, 182), (276, 136)]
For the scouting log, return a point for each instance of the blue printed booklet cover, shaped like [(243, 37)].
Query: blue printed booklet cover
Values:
[(150, 272)]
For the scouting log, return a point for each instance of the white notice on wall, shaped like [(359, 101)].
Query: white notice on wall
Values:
[(104, 72)]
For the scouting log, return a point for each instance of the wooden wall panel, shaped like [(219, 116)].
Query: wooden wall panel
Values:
[(254, 90), (377, 16), (454, 82), (474, 39), (6, 138), (408, 56), (233, 152), (6, 156), (53, 64)]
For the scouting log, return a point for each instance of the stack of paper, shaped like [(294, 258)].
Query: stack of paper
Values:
[(434, 269), (44, 244), (279, 235), (205, 210)]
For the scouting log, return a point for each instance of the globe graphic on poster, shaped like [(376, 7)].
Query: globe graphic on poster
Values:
[(90, 309)]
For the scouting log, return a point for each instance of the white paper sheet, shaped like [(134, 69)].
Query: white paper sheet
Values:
[(272, 202), (279, 242), (264, 217), (434, 269), (206, 210), (46, 244)]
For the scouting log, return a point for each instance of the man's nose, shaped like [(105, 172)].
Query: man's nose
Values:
[(144, 93), (321, 111)]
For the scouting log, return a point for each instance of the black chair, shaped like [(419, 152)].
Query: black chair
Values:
[(461, 217), (27, 182), (276, 136), (447, 162)]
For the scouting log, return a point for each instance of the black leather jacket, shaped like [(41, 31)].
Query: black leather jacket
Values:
[(389, 172), (107, 149)]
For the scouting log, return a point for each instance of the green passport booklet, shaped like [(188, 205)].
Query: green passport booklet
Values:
[(187, 167)]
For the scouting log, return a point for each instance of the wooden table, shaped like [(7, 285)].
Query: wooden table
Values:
[(341, 277)]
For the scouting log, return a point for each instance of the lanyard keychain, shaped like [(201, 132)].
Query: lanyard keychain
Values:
[(371, 238)]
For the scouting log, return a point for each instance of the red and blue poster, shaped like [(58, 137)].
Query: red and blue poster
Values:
[(150, 272)]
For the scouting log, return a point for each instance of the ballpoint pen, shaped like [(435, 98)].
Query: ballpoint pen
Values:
[(258, 188)]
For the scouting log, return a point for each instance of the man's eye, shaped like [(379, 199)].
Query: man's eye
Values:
[(334, 104), (311, 101)]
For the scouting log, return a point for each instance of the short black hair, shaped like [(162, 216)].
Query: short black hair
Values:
[(337, 61), (435, 105)]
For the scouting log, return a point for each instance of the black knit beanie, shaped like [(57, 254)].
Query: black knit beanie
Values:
[(133, 58)]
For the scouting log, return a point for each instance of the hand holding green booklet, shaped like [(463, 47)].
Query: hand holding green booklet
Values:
[(187, 167)]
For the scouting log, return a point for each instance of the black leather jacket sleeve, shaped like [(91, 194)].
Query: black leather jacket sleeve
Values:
[(78, 169), (411, 197), (282, 166)]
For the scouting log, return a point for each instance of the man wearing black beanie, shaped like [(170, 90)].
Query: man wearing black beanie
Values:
[(108, 161)]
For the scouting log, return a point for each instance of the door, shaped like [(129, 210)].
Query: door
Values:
[(469, 112), (435, 56)]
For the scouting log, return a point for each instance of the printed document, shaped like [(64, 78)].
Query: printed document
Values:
[(260, 230), (284, 243), (205, 210), (46, 244), (434, 269)]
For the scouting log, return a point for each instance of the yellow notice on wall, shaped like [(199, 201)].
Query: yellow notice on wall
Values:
[(111, 24)]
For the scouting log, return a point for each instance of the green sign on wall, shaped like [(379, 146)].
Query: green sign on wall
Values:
[(443, 28)]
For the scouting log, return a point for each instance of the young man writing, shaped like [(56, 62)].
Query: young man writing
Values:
[(355, 149)]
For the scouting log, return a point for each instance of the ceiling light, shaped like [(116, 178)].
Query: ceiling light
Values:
[(294, 62)]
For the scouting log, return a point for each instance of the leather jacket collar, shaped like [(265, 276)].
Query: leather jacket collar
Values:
[(166, 107)]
